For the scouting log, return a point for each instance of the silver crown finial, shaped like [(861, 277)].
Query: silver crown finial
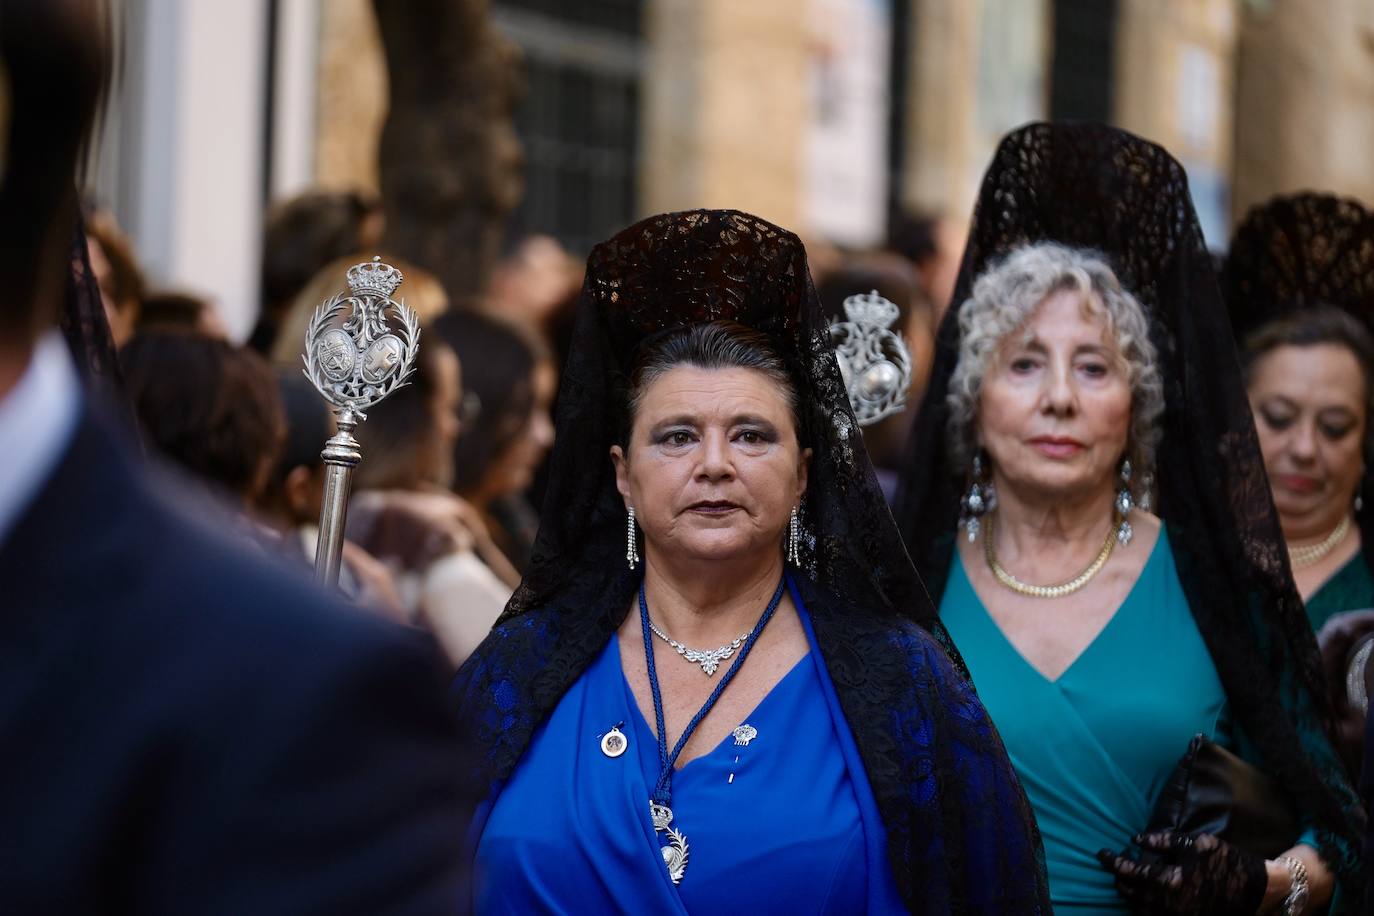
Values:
[(374, 278)]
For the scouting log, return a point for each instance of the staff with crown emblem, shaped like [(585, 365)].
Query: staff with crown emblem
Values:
[(354, 365)]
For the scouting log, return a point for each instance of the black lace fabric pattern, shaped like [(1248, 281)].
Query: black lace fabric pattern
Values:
[(84, 324), (1096, 187), (935, 763)]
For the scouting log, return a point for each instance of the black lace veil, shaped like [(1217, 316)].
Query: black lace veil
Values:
[(1300, 252), (1096, 187), (84, 323)]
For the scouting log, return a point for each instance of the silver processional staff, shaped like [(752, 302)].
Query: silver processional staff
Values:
[(354, 365)]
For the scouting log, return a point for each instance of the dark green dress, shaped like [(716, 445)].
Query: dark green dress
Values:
[(1350, 589)]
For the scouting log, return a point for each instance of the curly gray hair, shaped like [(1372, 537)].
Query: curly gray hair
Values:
[(1002, 302)]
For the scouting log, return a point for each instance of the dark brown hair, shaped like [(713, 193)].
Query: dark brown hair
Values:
[(305, 233), (499, 359), (211, 407), (397, 435)]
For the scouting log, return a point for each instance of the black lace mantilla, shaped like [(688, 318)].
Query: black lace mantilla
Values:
[(87, 332), (1096, 187), (937, 767), (1297, 252)]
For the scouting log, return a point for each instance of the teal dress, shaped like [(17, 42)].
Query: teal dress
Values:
[(1094, 746), (1350, 589)]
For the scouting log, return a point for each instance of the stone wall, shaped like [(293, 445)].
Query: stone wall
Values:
[(1305, 100)]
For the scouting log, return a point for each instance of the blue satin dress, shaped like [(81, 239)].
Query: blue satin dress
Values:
[(784, 824)]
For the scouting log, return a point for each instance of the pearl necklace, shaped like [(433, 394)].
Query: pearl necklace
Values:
[(1302, 557), (1047, 591)]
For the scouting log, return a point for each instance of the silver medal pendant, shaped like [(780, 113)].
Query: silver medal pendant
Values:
[(675, 853), (614, 742)]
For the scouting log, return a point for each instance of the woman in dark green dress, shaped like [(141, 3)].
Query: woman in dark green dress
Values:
[(1299, 285)]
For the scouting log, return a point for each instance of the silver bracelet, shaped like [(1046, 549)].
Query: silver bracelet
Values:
[(1296, 900)]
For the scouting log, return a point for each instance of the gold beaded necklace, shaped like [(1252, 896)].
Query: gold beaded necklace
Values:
[(1302, 557), (1047, 591)]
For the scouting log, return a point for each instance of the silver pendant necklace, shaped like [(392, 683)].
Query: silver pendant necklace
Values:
[(660, 800), (708, 659)]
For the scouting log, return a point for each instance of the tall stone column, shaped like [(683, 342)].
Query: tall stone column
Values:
[(725, 106), (1175, 60), (1305, 100), (977, 69)]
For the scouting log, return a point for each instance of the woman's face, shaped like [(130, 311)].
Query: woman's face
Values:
[(513, 470), (448, 397), (713, 467), (1055, 408), (1310, 415)]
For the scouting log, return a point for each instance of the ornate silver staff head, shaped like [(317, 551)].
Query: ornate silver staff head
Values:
[(354, 364), (357, 364), (874, 361)]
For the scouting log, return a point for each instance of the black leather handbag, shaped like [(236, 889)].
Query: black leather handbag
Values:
[(1214, 791)]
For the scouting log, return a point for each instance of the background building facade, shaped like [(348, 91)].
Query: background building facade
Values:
[(823, 115)]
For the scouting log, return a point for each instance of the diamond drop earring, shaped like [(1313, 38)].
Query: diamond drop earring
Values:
[(794, 539), (980, 499), (1124, 504), (631, 542)]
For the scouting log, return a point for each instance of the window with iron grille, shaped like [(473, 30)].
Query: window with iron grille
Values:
[(579, 119)]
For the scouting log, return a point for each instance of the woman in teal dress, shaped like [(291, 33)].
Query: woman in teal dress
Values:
[(1083, 377)]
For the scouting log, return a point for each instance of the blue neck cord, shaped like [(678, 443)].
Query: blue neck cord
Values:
[(663, 789)]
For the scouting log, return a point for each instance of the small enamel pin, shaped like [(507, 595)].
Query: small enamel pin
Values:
[(614, 742), (744, 734)]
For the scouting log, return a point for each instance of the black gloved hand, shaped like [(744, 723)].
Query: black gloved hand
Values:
[(1199, 874)]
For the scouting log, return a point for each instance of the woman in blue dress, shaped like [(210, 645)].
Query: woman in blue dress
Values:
[(1084, 374), (721, 687)]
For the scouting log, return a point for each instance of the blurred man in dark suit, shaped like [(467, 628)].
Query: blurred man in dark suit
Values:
[(182, 729)]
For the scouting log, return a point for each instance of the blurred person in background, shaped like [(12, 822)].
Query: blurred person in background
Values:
[(934, 244), (893, 278), (117, 272), (209, 407), (405, 515), (1299, 285), (302, 235), (510, 380), (532, 280), (188, 729), (177, 311), (291, 502), (420, 291)]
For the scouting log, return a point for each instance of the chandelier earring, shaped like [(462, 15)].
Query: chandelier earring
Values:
[(1125, 502), (631, 540), (794, 539), (980, 499)]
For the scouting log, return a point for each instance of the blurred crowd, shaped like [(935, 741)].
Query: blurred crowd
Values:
[(445, 504)]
